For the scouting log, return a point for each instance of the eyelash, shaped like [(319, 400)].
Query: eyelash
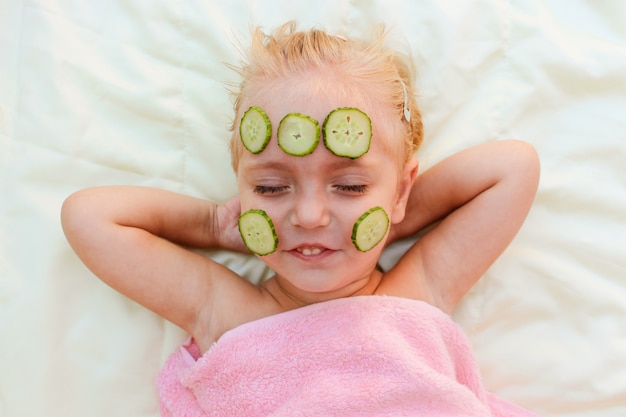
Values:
[(352, 188), (266, 189)]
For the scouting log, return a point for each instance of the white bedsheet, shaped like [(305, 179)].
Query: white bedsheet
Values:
[(131, 92)]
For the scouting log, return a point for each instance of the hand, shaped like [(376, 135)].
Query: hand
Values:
[(227, 228)]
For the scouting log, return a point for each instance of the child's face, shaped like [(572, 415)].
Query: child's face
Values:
[(315, 200)]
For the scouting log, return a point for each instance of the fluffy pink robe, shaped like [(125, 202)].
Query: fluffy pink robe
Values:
[(359, 356)]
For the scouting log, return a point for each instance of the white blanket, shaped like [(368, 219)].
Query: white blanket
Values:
[(132, 92)]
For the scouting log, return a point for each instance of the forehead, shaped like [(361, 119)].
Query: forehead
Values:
[(274, 160), (321, 158), (314, 93), (315, 97)]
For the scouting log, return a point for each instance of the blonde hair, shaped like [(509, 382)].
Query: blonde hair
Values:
[(371, 70)]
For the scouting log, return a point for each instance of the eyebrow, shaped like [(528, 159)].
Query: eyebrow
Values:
[(340, 163), (266, 165), (348, 163)]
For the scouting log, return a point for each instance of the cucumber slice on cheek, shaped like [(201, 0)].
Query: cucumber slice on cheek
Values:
[(370, 229), (259, 235), (298, 134), (257, 231), (347, 132), (255, 129)]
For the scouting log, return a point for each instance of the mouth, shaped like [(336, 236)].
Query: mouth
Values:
[(310, 251), (313, 251)]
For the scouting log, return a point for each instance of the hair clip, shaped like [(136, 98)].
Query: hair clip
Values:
[(405, 105), (343, 38)]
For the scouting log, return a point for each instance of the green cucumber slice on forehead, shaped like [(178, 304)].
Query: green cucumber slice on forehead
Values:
[(255, 129), (298, 134), (347, 132), (370, 229), (257, 231)]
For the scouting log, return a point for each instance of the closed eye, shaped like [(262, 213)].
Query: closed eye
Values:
[(352, 188), (267, 189)]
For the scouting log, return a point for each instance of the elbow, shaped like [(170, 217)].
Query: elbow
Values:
[(524, 170), (75, 216), (70, 213), (524, 162)]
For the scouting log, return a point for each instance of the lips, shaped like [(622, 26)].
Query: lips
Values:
[(310, 251)]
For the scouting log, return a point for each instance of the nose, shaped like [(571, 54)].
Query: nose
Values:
[(310, 210)]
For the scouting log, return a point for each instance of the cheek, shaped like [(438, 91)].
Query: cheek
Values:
[(344, 215), (370, 229), (271, 209), (251, 200)]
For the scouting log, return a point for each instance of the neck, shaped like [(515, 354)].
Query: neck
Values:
[(290, 297)]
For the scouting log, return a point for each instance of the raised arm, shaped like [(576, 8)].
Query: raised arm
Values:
[(481, 197), (133, 239)]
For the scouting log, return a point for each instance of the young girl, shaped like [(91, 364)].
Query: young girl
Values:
[(323, 140)]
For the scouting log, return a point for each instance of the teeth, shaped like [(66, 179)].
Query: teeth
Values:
[(310, 251)]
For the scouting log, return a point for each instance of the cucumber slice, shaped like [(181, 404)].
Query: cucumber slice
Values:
[(370, 229), (257, 231), (298, 134), (347, 132), (255, 129)]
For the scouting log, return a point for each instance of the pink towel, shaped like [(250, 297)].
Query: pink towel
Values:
[(357, 356)]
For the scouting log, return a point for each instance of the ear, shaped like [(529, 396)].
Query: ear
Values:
[(408, 175)]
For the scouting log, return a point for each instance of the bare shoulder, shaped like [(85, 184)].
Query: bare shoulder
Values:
[(406, 279), (232, 302)]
